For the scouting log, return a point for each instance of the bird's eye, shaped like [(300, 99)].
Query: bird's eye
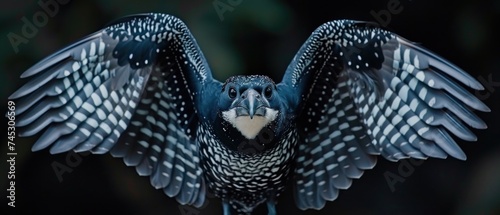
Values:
[(232, 93), (268, 92)]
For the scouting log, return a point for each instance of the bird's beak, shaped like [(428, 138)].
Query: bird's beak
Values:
[(251, 105)]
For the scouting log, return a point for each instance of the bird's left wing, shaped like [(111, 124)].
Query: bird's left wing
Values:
[(131, 89), (361, 91)]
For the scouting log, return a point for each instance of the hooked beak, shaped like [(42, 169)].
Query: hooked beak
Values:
[(252, 104)]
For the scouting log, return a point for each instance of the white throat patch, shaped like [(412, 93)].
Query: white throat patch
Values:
[(249, 128)]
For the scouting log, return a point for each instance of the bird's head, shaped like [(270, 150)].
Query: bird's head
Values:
[(250, 112)]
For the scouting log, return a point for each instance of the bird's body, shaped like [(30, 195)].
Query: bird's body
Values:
[(242, 152), (142, 90), (247, 180)]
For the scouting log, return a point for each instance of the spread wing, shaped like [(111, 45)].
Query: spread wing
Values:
[(362, 91), (130, 89)]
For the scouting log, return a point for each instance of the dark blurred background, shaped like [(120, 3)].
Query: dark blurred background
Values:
[(261, 37)]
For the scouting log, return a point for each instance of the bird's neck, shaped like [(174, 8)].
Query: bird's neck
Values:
[(249, 127), (245, 135)]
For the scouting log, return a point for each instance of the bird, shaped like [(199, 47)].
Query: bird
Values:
[(142, 90)]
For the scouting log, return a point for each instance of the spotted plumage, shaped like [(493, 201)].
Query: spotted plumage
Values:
[(142, 90)]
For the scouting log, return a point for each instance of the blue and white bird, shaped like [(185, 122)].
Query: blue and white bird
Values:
[(142, 90)]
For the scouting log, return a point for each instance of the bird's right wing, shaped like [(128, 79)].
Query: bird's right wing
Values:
[(131, 89)]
